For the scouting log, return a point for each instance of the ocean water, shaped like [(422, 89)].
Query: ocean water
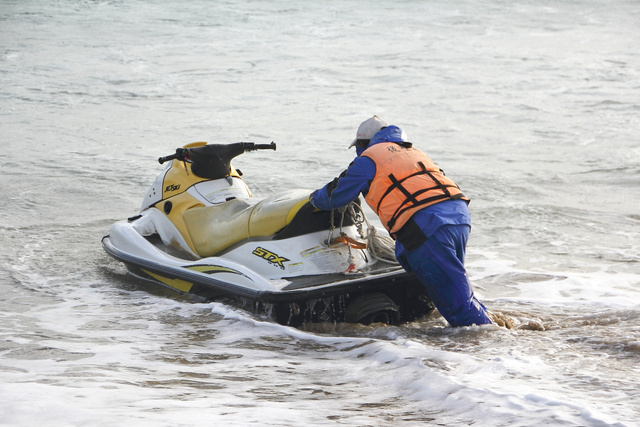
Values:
[(531, 106)]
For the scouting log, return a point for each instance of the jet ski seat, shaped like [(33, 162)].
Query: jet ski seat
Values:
[(215, 228)]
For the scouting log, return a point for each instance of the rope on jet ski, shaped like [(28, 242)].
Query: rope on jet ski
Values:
[(380, 247), (351, 259), (344, 239)]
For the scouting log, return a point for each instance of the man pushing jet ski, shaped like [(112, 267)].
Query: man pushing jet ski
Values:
[(200, 231), (421, 208)]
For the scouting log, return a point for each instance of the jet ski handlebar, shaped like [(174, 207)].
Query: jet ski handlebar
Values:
[(184, 154), (253, 147), (180, 154)]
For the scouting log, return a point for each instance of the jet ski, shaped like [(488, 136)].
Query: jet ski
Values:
[(200, 231)]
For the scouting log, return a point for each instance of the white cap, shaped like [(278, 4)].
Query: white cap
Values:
[(369, 128)]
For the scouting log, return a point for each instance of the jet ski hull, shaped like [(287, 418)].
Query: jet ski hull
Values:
[(385, 294)]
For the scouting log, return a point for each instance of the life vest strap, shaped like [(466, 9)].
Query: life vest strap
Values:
[(426, 201), (441, 186), (412, 197), (398, 183)]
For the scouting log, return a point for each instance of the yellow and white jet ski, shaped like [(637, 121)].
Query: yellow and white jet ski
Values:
[(200, 231)]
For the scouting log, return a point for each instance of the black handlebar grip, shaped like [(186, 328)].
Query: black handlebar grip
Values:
[(271, 146), (161, 160)]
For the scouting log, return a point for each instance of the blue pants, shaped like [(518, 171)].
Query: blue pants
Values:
[(439, 264)]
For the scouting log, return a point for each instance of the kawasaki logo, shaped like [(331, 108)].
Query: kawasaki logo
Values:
[(274, 259)]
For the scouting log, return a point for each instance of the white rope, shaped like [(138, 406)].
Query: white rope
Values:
[(380, 247)]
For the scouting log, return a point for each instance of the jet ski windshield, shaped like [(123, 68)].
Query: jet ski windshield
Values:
[(213, 161)]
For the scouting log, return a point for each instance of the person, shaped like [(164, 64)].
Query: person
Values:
[(423, 210)]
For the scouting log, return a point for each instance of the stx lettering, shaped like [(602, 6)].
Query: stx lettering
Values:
[(269, 256)]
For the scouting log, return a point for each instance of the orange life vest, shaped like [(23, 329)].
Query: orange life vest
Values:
[(406, 181)]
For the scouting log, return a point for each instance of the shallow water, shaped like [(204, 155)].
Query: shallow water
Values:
[(531, 107)]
